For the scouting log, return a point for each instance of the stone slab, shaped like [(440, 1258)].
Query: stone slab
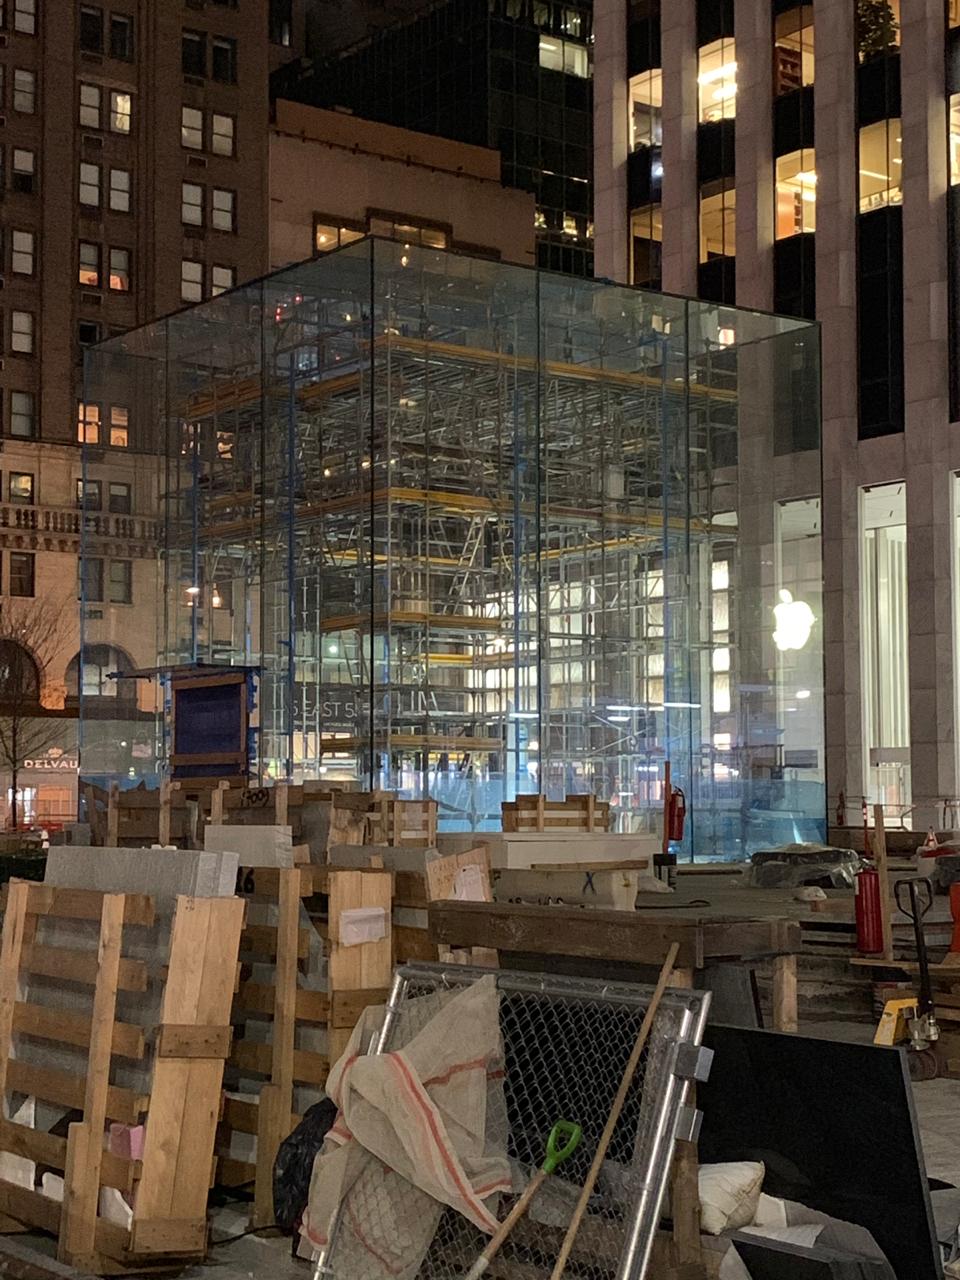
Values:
[(518, 850), (266, 846), (162, 873)]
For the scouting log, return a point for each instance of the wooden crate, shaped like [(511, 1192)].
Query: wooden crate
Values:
[(538, 813), (169, 1184)]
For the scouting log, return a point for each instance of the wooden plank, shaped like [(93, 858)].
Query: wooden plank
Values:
[(549, 930), (308, 1067), (261, 939), (30, 1206), (442, 874), (194, 1042), (265, 881), (168, 1235), (11, 948), (880, 862), (68, 1090), (349, 1005), (235, 1173), (113, 816), (85, 904), (65, 1027), (163, 819), (785, 1017), (370, 964), (49, 1149), (258, 997), (411, 943), (80, 966), (240, 1115)]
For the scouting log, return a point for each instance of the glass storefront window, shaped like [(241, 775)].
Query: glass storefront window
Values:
[(646, 238), (718, 221), (793, 49), (953, 13), (564, 55), (954, 137), (884, 669), (878, 28), (717, 80), (796, 207), (646, 98), (880, 165)]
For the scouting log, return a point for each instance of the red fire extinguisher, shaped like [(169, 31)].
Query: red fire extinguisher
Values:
[(867, 905), (676, 814)]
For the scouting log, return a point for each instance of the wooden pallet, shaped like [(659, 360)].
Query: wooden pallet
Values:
[(538, 813), (168, 1186), (281, 1006)]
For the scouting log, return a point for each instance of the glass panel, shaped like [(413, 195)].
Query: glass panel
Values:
[(646, 100), (884, 647), (796, 193), (646, 234), (953, 13), (718, 221), (717, 81), (880, 165), (877, 27), (954, 137), (793, 49)]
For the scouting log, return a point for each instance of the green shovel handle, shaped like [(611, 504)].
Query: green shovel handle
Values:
[(556, 1154)]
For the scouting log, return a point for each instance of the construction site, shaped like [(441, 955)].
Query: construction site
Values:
[(454, 893)]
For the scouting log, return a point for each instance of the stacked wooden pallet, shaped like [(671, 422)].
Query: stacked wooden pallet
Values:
[(539, 813), (113, 1212)]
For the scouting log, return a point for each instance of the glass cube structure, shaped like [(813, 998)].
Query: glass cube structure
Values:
[(483, 530)]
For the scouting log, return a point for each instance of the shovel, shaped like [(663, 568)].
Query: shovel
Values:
[(562, 1132)]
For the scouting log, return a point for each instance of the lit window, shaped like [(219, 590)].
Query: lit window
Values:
[(121, 581), (191, 280), (89, 183), (328, 235), (222, 210), (119, 426), (877, 27), (796, 194), (793, 49), (24, 91), (121, 110), (22, 257), (191, 204), (24, 170), (21, 573), (565, 56), (23, 418), (25, 16), (222, 279), (21, 332), (718, 221), (717, 81), (222, 135), (89, 275), (120, 190), (21, 487), (90, 106), (88, 495), (88, 423), (955, 136), (646, 233), (191, 128), (953, 13), (646, 99), (120, 270), (880, 165)]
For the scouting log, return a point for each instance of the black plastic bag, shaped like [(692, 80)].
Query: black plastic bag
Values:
[(294, 1164)]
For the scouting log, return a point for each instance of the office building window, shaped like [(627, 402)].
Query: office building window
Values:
[(89, 275), (90, 106), (20, 487), (953, 20), (223, 61), (25, 17), (120, 270), (91, 29), (119, 498), (646, 100), (718, 220), (23, 417), (954, 137), (222, 279), (88, 495), (646, 228), (191, 280), (222, 134), (793, 49), (24, 91), (191, 128), (121, 111), (329, 234), (120, 190), (23, 177), (564, 55), (121, 581), (119, 426), (21, 332), (193, 53), (877, 28), (796, 198), (88, 423), (89, 183), (717, 81), (21, 573), (880, 165), (430, 236), (223, 210), (22, 254), (121, 37), (91, 579), (281, 22), (191, 204)]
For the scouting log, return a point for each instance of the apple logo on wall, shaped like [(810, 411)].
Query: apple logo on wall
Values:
[(794, 619)]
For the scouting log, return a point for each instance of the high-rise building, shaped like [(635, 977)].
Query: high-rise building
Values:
[(512, 74), (134, 181), (805, 158)]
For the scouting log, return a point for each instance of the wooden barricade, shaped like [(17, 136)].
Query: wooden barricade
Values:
[(538, 813), (168, 1185)]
